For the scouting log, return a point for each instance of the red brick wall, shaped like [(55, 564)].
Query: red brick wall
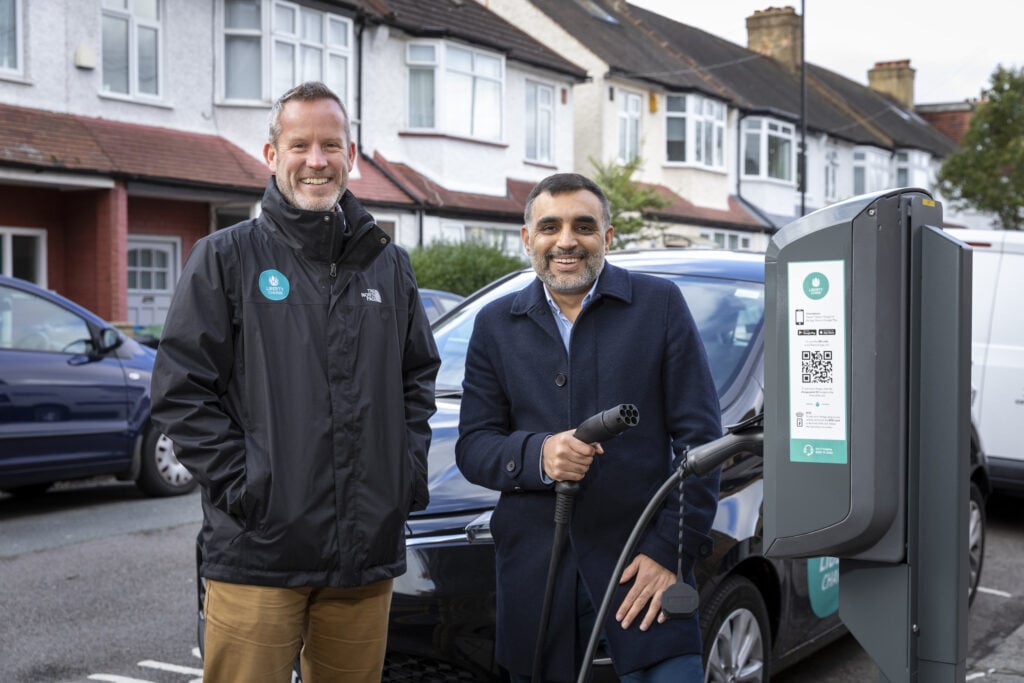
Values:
[(953, 124), (188, 221), (87, 231)]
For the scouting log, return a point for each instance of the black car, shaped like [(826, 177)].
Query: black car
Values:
[(74, 399), (758, 615)]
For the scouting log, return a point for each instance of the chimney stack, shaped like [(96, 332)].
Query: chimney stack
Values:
[(895, 79), (775, 32)]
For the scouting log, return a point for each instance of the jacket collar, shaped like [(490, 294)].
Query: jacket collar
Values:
[(613, 282), (345, 235)]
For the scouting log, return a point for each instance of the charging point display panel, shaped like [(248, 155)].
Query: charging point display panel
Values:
[(818, 411)]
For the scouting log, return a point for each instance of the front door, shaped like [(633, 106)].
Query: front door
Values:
[(152, 274)]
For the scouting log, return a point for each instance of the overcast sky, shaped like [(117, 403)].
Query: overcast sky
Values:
[(953, 45)]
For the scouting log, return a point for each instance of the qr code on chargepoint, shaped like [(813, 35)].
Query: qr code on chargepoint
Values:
[(816, 367)]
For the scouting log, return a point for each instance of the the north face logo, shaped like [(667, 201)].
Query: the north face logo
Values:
[(371, 295)]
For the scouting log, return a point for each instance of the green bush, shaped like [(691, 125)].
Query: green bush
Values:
[(461, 268)]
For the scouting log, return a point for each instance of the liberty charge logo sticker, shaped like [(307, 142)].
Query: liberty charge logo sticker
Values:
[(823, 585), (815, 286), (274, 285)]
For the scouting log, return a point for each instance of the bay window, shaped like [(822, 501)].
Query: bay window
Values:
[(768, 149), (283, 44), (697, 119), (455, 90)]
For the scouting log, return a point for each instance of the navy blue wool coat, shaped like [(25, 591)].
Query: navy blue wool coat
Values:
[(635, 342)]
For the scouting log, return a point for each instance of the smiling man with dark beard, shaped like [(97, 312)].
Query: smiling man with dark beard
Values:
[(586, 336)]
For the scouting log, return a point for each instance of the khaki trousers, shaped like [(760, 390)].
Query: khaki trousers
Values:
[(254, 633)]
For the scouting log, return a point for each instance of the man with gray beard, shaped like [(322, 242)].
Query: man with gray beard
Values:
[(583, 337)]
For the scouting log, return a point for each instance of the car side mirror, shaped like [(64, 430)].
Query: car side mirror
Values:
[(109, 340)]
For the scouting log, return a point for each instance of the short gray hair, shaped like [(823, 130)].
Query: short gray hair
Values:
[(305, 92)]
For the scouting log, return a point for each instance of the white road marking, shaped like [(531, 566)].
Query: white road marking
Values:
[(173, 668), (116, 679), (993, 591)]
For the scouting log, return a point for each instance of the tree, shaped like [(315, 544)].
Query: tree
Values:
[(628, 199), (462, 267), (988, 173)]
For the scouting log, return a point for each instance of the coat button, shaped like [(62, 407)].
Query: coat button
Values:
[(510, 466), (560, 380)]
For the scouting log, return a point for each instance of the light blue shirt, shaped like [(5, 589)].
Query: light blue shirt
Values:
[(565, 330), (564, 324)]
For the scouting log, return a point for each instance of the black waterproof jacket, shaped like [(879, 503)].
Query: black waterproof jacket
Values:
[(295, 375)]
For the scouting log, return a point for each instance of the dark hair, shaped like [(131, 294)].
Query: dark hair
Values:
[(560, 183), (305, 92)]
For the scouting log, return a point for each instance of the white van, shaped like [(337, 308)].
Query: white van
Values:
[(997, 355)]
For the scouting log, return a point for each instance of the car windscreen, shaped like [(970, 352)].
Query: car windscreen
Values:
[(728, 313)]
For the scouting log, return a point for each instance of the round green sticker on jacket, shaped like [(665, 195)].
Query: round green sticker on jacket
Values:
[(274, 285)]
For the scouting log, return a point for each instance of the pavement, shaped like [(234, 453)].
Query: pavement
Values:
[(1005, 664)]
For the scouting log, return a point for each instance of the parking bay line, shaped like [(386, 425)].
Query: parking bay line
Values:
[(993, 591), (173, 668)]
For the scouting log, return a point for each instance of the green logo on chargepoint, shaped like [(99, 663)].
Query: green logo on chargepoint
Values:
[(816, 286)]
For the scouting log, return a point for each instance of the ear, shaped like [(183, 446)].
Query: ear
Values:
[(270, 157), (351, 154), (608, 234), (524, 232)]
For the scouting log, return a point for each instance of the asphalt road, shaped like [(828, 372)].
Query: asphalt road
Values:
[(97, 583)]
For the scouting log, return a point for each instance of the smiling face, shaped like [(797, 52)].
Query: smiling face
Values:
[(312, 155), (567, 240)]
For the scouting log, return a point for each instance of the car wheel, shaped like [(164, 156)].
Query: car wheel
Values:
[(976, 540), (161, 474), (736, 634)]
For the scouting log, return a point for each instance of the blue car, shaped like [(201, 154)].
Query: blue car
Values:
[(74, 399), (437, 302)]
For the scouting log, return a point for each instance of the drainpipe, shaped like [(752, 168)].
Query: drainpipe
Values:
[(803, 114)]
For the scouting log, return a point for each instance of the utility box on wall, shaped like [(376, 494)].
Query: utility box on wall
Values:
[(867, 420)]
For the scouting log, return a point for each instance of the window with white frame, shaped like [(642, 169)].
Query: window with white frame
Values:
[(831, 175), (708, 132), (697, 119), (629, 126), (870, 170), (472, 82), (768, 149), (902, 160), (23, 254), (507, 239), (422, 59), (297, 43), (10, 37), (131, 47), (727, 239), (540, 121), (675, 128)]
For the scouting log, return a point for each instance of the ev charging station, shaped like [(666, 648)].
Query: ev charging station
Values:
[(867, 421)]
